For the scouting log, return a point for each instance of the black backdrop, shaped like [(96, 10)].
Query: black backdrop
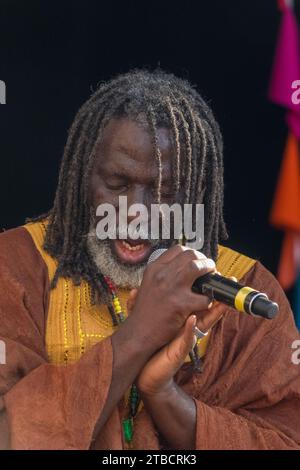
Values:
[(53, 52)]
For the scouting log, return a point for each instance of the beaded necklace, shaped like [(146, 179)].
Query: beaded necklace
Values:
[(118, 317)]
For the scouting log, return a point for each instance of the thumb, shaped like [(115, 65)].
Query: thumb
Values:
[(180, 347), (188, 338)]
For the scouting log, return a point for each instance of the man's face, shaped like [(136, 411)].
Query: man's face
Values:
[(125, 166)]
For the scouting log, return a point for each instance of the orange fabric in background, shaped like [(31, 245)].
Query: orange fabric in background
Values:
[(285, 212), (287, 269)]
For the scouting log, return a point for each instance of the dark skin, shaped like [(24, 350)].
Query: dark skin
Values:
[(153, 342), (125, 165)]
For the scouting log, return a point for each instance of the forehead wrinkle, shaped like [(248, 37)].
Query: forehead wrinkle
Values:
[(141, 152), (129, 137), (127, 150), (133, 170), (126, 165)]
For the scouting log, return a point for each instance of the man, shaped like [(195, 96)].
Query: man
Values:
[(78, 373)]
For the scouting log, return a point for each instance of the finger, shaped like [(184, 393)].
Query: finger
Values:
[(133, 294), (196, 303), (171, 253), (207, 318), (187, 263), (131, 300), (179, 255), (189, 338), (231, 277), (197, 268), (129, 306), (180, 347)]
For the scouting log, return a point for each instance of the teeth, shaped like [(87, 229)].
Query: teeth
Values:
[(132, 248)]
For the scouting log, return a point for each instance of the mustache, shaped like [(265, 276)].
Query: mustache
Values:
[(123, 232), (139, 233)]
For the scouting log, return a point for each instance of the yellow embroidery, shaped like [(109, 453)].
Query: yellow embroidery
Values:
[(74, 325)]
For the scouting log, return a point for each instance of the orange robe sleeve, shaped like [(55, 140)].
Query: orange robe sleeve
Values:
[(248, 396), (42, 406)]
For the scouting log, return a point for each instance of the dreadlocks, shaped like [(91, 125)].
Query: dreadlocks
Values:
[(164, 100)]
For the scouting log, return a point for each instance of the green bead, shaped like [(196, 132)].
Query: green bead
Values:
[(134, 400), (128, 429)]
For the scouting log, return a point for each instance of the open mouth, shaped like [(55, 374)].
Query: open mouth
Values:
[(132, 251)]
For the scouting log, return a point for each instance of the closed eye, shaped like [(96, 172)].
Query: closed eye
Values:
[(117, 187)]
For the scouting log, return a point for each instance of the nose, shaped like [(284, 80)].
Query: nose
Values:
[(137, 195)]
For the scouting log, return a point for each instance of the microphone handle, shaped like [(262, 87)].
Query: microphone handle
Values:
[(242, 298)]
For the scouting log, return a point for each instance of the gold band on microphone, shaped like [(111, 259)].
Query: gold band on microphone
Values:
[(240, 297)]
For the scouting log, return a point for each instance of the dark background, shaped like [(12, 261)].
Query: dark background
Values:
[(52, 53)]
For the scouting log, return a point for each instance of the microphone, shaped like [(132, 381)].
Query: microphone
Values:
[(242, 298)]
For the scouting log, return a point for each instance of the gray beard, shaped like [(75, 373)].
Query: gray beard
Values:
[(123, 275)]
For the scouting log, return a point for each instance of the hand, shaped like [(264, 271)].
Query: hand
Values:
[(157, 376), (165, 300), (131, 300), (205, 319)]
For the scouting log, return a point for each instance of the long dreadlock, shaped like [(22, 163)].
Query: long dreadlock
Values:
[(166, 101)]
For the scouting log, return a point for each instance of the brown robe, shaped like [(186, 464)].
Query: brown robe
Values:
[(247, 397)]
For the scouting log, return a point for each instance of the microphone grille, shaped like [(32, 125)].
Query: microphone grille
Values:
[(156, 254)]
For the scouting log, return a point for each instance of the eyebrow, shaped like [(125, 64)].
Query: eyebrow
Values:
[(121, 174)]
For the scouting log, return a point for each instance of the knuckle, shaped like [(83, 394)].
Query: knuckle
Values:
[(195, 266), (205, 264), (159, 277), (199, 255), (179, 248), (190, 255), (194, 254)]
